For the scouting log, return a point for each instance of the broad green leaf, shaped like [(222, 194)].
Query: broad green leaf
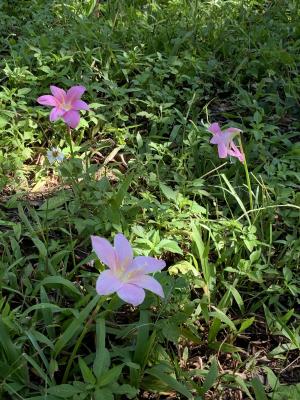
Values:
[(169, 193), (63, 391), (54, 202), (169, 245), (259, 390), (103, 394), (112, 375), (211, 377)]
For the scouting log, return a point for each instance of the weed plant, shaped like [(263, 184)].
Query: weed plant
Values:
[(140, 162)]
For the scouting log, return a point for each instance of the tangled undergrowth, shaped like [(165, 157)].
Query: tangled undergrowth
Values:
[(158, 74)]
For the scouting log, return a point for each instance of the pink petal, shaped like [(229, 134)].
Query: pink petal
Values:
[(72, 118), (123, 250), (58, 93), (216, 139), (79, 105), (215, 129), (149, 283), (74, 93), (235, 152), (131, 294), (222, 150), (105, 252), (56, 113), (146, 265), (233, 130), (108, 283), (47, 100)]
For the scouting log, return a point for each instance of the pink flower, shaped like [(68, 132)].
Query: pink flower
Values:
[(66, 105), (224, 140), (126, 275)]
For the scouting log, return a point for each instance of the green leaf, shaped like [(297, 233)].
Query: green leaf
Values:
[(211, 377), (103, 394), (245, 324), (54, 202), (118, 198), (110, 376), (222, 317), (169, 193), (102, 359), (40, 246), (54, 281), (235, 195), (259, 390), (237, 297), (87, 374), (63, 391), (43, 306), (171, 382), (75, 325), (225, 347), (37, 368), (169, 245)]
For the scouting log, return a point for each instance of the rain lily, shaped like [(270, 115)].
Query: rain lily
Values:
[(126, 275), (55, 155), (224, 140), (66, 104)]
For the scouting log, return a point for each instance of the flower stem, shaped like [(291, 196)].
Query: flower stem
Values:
[(247, 175), (69, 140)]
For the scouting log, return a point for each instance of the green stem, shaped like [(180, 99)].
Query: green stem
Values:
[(247, 175), (69, 140), (80, 339)]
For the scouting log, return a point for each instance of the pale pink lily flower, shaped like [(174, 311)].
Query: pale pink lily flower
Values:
[(224, 140), (127, 276), (66, 104)]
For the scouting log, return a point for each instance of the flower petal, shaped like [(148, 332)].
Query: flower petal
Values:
[(47, 100), (236, 131), (50, 157), (131, 294), (56, 113), (235, 152), (222, 150), (105, 252), (108, 283), (123, 250), (216, 139), (72, 118), (146, 265), (215, 129), (58, 93), (80, 105), (74, 93), (149, 283)]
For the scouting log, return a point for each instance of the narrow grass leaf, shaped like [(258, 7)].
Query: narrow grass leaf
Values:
[(75, 325), (171, 382)]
